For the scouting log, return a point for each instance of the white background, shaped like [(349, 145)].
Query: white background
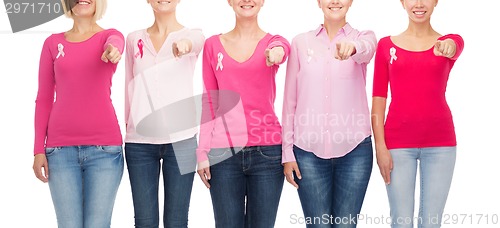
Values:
[(473, 96)]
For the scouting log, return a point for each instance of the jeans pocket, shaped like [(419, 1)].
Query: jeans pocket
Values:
[(367, 140), (110, 149), (51, 150), (218, 153), (271, 152)]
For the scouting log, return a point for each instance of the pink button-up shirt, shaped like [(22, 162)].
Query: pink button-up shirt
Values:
[(325, 108)]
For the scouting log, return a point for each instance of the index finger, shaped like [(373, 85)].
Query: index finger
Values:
[(439, 45), (204, 177), (291, 180), (386, 174)]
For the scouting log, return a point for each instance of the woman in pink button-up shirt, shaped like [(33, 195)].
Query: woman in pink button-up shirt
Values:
[(327, 149)]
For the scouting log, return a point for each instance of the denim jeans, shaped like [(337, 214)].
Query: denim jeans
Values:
[(83, 183), (436, 172), (144, 162), (332, 191), (246, 187)]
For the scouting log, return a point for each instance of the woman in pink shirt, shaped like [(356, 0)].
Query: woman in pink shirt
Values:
[(419, 130), (327, 147), (239, 155), (160, 115), (77, 136)]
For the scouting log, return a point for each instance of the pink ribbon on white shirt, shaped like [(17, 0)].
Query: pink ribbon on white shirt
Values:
[(60, 48), (140, 45), (220, 56), (393, 54)]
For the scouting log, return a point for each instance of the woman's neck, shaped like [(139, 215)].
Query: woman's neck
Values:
[(84, 25), (247, 29), (165, 24), (419, 29), (333, 27)]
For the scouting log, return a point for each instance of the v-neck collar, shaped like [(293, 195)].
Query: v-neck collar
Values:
[(149, 43), (251, 56)]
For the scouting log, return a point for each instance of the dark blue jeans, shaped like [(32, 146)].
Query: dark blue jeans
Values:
[(144, 163), (253, 175), (334, 188)]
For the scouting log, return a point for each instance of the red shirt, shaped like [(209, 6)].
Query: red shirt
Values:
[(418, 114)]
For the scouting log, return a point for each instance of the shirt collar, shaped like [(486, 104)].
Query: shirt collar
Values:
[(346, 29)]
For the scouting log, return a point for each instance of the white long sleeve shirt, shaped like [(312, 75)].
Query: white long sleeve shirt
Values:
[(159, 94)]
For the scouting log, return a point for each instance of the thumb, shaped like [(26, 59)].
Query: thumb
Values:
[(109, 48), (175, 49), (267, 52), (103, 56), (439, 45), (297, 172), (207, 173), (46, 170), (437, 48), (338, 46)]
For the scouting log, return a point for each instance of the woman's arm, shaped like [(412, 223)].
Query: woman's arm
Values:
[(289, 107), (380, 87), (384, 159), (365, 45), (277, 50), (44, 102), (129, 75)]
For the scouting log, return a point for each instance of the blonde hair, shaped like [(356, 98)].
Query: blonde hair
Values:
[(100, 8)]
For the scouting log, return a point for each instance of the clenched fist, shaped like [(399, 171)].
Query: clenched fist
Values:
[(446, 48), (181, 47), (111, 54), (274, 56)]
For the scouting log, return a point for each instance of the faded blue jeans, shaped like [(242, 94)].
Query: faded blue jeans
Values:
[(334, 188), (83, 183), (436, 172)]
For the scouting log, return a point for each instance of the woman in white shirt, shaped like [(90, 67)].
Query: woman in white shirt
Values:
[(160, 116)]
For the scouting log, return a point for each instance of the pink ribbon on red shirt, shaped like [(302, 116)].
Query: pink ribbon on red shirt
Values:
[(140, 45)]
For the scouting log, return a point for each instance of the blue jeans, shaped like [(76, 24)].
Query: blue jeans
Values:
[(436, 171), (332, 191), (144, 162), (83, 183), (253, 175)]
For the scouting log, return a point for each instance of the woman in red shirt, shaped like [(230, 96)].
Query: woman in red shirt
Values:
[(419, 129)]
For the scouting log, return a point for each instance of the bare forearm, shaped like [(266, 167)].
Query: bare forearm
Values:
[(378, 119)]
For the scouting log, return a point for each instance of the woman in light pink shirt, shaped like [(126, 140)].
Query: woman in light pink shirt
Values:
[(240, 136), (77, 136), (327, 149), (160, 116)]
